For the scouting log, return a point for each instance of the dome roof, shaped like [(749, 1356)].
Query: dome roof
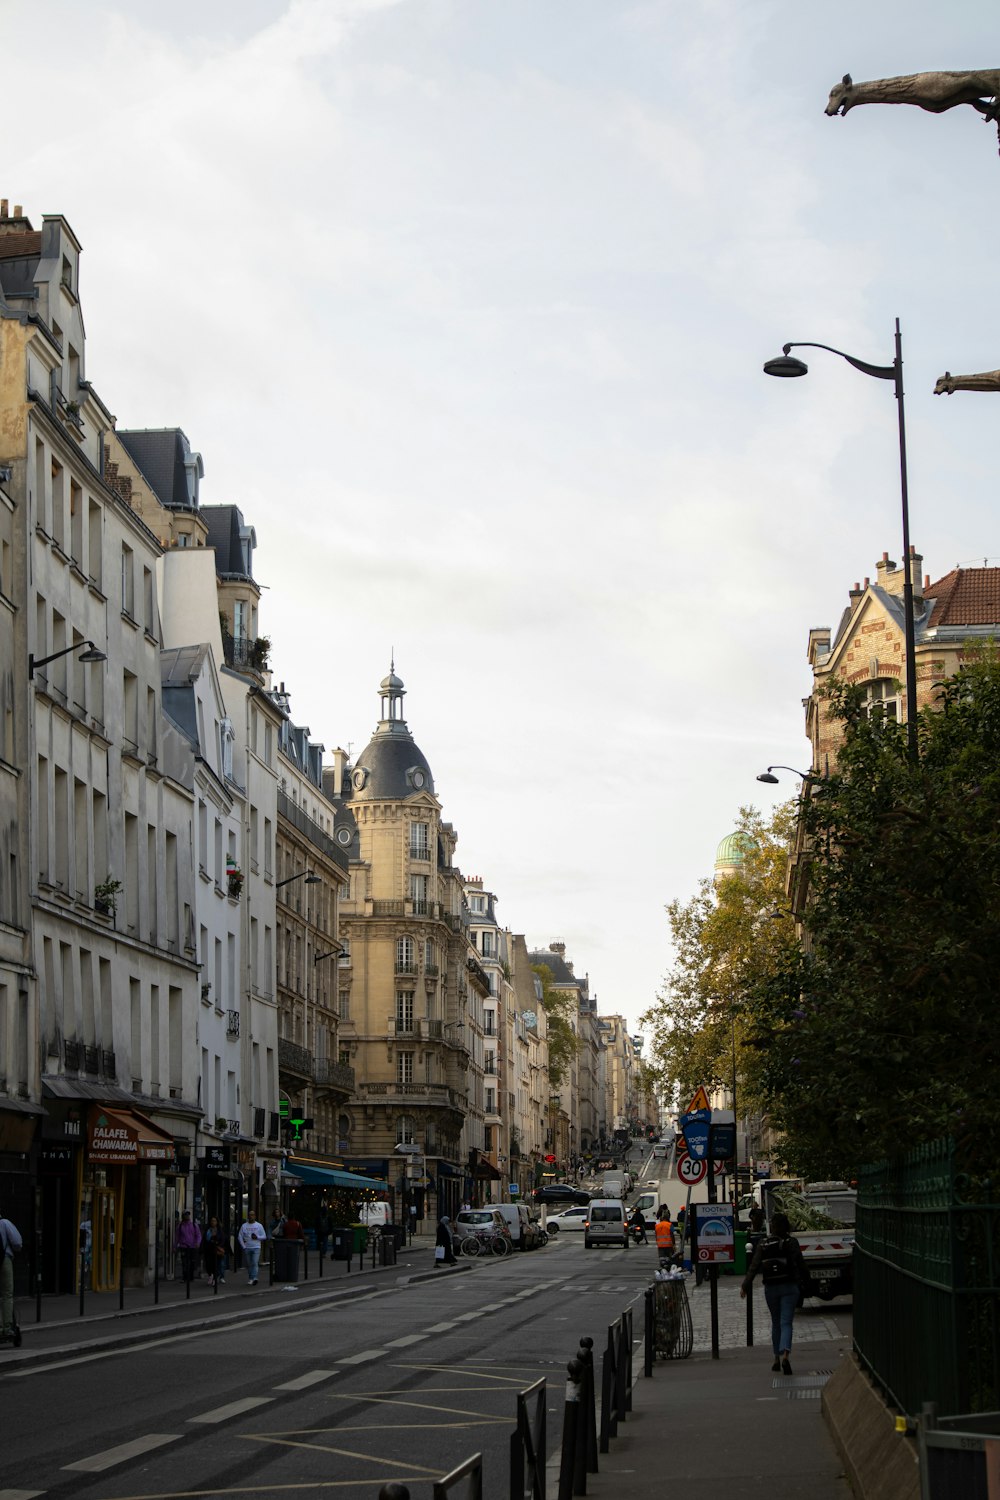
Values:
[(733, 850), (391, 767)]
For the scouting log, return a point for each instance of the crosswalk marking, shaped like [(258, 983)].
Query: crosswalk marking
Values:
[(232, 1409), (408, 1338), (111, 1456), (300, 1383), (360, 1359)]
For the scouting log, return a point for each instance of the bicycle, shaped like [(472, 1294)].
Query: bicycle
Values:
[(482, 1244)]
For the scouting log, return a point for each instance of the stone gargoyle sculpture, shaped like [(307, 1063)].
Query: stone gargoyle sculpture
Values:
[(935, 92), (989, 380)]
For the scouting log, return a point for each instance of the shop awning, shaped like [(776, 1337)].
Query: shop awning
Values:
[(486, 1170), (124, 1137), (331, 1177)]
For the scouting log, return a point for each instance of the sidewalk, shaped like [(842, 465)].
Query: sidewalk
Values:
[(105, 1322), (728, 1422)]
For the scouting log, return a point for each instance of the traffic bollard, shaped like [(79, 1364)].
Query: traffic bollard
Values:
[(586, 1358), (750, 1316), (571, 1418), (647, 1343)]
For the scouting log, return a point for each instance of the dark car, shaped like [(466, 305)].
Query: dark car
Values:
[(560, 1192)]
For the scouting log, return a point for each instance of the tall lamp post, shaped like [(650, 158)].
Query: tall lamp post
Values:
[(788, 367)]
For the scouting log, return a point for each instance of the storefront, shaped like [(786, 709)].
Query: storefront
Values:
[(118, 1194)]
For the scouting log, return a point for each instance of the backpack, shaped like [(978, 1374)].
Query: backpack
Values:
[(775, 1262)]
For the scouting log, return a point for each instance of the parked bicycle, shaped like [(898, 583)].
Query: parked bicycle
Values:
[(485, 1243)]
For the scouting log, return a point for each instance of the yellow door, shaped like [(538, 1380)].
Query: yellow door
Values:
[(106, 1247)]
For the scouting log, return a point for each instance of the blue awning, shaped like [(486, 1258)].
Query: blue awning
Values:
[(330, 1177)]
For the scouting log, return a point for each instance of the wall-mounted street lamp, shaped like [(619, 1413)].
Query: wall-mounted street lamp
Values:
[(88, 654), (773, 780), (788, 367), (307, 875), (335, 951)]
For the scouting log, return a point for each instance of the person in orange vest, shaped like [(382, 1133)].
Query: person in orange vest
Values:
[(663, 1229)]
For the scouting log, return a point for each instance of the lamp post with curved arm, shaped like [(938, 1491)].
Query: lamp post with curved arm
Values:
[(788, 367), (773, 780)]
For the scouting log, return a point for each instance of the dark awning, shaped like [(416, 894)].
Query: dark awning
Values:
[(487, 1171), (332, 1177), (124, 1137)]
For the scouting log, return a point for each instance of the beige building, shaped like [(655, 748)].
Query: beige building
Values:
[(867, 647), (412, 994)]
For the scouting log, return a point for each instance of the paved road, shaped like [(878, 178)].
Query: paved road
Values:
[(348, 1389)]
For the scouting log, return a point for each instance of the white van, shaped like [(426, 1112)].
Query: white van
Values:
[(607, 1224), (520, 1224), (374, 1213)]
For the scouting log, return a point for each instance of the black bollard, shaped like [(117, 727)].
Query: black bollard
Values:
[(647, 1350), (83, 1268), (394, 1492), (156, 1266), (750, 1316), (586, 1358), (121, 1276), (571, 1418)]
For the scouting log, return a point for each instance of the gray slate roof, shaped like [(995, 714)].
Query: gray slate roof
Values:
[(160, 454)]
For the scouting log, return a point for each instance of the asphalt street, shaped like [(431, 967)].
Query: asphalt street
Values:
[(391, 1381)]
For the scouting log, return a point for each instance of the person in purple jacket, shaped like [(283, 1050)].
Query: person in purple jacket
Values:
[(188, 1241), (10, 1240)]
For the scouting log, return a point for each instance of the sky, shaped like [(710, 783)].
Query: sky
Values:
[(465, 304)]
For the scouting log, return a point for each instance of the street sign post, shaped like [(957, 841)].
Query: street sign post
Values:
[(713, 1227)]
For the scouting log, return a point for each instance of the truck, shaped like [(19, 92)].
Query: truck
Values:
[(821, 1216), (615, 1184)]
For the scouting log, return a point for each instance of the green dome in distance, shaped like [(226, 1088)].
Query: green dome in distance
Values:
[(732, 851)]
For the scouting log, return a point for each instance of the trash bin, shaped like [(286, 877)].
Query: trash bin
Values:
[(740, 1254), (286, 1260), (387, 1250), (343, 1241), (360, 1232)]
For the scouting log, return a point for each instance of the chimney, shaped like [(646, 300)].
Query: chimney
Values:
[(916, 564), (890, 577), (559, 948), (339, 767), (3, 208)]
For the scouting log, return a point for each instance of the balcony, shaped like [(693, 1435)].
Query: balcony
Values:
[(400, 1025), (433, 1030), (406, 970), (388, 908), (420, 851), (337, 1076), (294, 1059), (431, 971), (430, 1094), (246, 653)]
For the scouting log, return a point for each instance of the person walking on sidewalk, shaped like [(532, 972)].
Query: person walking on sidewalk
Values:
[(188, 1241), (10, 1241), (214, 1250), (778, 1258), (251, 1236), (444, 1249)]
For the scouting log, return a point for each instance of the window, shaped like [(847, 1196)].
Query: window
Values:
[(128, 582), (487, 944), (405, 958), (404, 1011), (344, 1005), (405, 1127), (883, 695), (490, 1064), (404, 1067), (491, 1102), (477, 903), (418, 894), (430, 955), (419, 841)]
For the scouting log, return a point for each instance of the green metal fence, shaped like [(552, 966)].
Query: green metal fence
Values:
[(927, 1282)]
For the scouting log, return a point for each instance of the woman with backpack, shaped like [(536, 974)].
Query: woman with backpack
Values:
[(778, 1258)]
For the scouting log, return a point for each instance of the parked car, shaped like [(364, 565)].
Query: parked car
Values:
[(568, 1218), (606, 1224), (560, 1192)]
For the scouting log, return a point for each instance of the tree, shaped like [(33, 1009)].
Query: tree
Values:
[(560, 1012), (886, 1032), (725, 939)]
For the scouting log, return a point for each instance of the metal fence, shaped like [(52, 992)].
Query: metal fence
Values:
[(927, 1282)]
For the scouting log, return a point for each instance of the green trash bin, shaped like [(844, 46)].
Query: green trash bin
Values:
[(360, 1238), (740, 1254)]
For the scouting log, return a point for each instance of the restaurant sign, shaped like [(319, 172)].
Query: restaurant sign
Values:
[(125, 1138)]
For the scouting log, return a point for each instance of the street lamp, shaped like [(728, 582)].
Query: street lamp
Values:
[(336, 950), (773, 780), (788, 367), (89, 654), (310, 879)]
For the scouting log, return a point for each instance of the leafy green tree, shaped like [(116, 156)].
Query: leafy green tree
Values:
[(560, 1013), (725, 939), (885, 1032)]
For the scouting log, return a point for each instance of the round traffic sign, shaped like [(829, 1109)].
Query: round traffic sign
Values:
[(691, 1170)]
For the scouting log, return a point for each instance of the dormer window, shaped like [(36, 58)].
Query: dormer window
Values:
[(883, 696)]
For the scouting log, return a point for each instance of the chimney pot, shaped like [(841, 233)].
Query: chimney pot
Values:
[(3, 208), (927, 581), (18, 211)]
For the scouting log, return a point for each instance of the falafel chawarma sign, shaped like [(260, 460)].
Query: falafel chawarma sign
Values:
[(124, 1137)]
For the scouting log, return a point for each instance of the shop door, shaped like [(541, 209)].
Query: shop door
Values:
[(105, 1248)]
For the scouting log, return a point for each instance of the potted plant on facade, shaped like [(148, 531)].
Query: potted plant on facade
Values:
[(105, 893), (234, 879), (221, 1124)]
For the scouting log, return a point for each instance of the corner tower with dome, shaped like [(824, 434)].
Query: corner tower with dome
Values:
[(410, 1000)]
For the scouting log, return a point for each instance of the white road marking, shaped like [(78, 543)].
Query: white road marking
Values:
[(469, 1316), (20, 1494), (112, 1456), (233, 1409), (439, 1328), (360, 1359), (299, 1383), (408, 1338)]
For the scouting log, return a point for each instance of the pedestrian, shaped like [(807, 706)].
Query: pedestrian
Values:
[(293, 1229), (277, 1226), (251, 1236), (214, 1251), (188, 1241), (639, 1227), (10, 1241), (444, 1245), (664, 1232), (778, 1258)]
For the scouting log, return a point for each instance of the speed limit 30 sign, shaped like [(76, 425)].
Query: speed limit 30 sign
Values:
[(691, 1169)]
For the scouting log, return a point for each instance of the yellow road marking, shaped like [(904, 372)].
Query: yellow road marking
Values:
[(367, 1458)]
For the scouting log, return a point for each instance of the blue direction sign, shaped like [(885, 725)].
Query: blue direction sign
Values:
[(696, 1126)]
